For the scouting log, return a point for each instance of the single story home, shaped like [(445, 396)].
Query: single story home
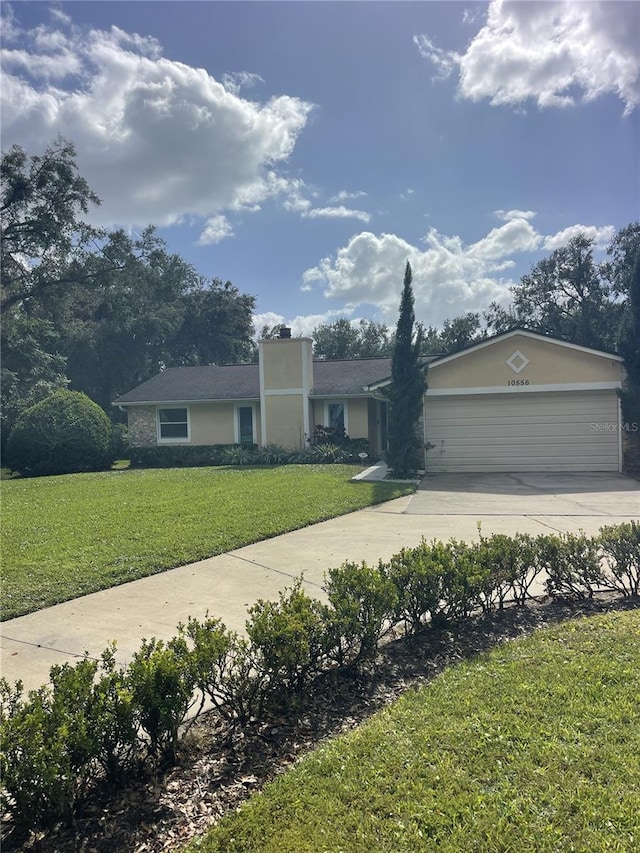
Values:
[(519, 401)]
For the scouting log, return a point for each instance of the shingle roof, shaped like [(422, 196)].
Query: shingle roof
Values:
[(194, 384), (242, 381), (344, 378)]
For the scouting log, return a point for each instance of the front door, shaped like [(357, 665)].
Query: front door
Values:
[(245, 424)]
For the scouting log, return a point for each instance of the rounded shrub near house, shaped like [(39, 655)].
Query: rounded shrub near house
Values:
[(64, 434)]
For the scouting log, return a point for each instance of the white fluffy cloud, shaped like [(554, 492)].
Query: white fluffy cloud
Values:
[(345, 195), (301, 325), (449, 277), (268, 319), (216, 229), (296, 202), (157, 139), (507, 215), (444, 61), (600, 236), (339, 212), (555, 52)]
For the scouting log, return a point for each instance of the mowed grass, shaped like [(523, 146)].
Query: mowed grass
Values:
[(534, 746), (63, 537)]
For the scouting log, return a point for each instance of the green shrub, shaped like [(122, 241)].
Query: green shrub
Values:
[(223, 669), (95, 722), (362, 603), (337, 437), (64, 434), (436, 583), (308, 456), (572, 564), (620, 546), (48, 745), (329, 435), (272, 454), (331, 454), (60, 741), (416, 574), (510, 565), (238, 454), (114, 720), (196, 456), (162, 683), (38, 786), (119, 441), (463, 580), (290, 641)]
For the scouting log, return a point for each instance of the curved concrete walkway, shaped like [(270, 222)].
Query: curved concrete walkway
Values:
[(444, 506)]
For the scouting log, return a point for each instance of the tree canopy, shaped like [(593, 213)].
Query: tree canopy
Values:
[(96, 311), (44, 240), (569, 296), (344, 339), (455, 335)]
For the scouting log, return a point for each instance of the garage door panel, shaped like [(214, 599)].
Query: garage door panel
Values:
[(520, 409), (524, 451), (459, 431), (560, 444), (517, 466), (569, 431), (525, 418)]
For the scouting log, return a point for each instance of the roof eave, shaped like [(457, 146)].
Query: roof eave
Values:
[(182, 402)]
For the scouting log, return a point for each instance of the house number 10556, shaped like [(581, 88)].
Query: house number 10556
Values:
[(518, 382)]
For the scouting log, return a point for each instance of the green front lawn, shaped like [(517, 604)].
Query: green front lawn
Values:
[(534, 746), (63, 537)]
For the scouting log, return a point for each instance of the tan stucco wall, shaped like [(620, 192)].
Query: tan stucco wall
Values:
[(285, 420), (358, 418), (373, 431), (212, 423), (287, 363), (549, 364)]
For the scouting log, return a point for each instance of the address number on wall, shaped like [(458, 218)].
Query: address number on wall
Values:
[(518, 382)]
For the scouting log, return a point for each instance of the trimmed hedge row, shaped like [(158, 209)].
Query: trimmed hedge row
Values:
[(95, 723), (252, 454)]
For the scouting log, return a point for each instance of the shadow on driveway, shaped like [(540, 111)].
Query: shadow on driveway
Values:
[(523, 483)]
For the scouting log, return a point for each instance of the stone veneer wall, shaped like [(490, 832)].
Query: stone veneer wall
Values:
[(142, 426)]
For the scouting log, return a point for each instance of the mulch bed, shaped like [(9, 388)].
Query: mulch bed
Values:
[(221, 766)]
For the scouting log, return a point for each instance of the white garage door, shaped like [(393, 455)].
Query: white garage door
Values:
[(559, 431)]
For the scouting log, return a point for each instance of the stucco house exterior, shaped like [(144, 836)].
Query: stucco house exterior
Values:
[(519, 401)]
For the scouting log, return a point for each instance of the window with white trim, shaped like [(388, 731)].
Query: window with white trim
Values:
[(173, 424), (336, 416)]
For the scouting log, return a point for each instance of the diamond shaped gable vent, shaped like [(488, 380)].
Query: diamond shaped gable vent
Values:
[(517, 362)]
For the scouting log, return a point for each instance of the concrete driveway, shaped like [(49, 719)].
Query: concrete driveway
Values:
[(444, 506), (542, 496)]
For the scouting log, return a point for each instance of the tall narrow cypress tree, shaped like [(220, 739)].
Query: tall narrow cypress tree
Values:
[(629, 347), (407, 387)]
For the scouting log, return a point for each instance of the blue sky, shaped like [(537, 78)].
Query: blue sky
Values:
[(306, 150)]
